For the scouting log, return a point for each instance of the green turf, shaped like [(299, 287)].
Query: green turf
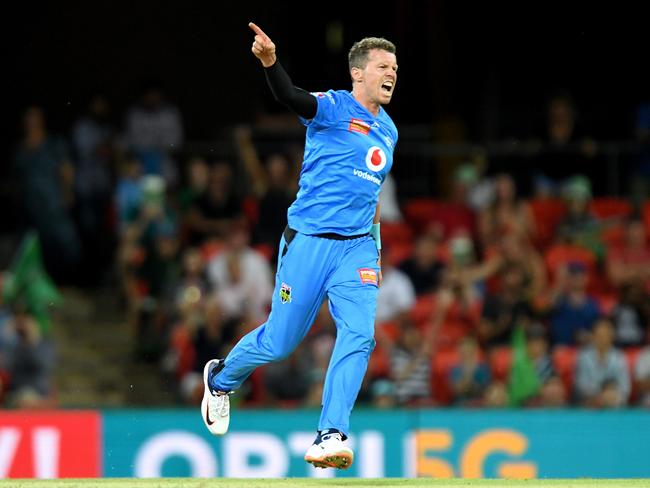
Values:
[(310, 482)]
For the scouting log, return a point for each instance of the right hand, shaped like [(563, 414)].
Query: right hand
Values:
[(263, 47)]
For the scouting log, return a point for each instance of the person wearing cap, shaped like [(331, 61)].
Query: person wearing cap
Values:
[(573, 311)]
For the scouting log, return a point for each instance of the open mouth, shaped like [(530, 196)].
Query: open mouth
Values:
[(387, 87)]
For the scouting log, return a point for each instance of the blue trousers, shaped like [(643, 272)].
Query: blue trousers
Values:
[(312, 268)]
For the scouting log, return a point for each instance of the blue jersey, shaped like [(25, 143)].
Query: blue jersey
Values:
[(348, 153)]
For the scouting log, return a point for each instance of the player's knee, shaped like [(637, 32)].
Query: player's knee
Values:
[(365, 340)]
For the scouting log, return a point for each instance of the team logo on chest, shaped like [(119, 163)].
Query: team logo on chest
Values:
[(375, 159)]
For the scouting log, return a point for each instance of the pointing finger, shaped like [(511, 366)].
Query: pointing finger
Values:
[(257, 30)]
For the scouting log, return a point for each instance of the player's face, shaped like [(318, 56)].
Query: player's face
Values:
[(380, 76)]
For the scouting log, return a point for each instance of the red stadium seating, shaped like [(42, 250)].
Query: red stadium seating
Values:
[(500, 359), (396, 233), (646, 215), (441, 363), (251, 209), (610, 207), (564, 362), (548, 213), (418, 212)]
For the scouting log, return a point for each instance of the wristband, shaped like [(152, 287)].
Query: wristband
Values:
[(374, 232)]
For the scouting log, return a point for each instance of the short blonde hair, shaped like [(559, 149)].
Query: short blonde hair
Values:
[(358, 55)]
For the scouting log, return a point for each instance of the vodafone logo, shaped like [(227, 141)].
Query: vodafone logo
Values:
[(375, 159)]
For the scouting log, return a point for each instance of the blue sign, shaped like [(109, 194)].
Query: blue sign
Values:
[(395, 443)]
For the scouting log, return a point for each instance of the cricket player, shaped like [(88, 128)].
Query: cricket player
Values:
[(331, 246)]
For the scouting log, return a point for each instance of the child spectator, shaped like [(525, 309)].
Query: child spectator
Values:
[(602, 377), (471, 376), (632, 315)]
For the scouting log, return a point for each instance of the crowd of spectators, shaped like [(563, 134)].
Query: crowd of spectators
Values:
[(195, 244)]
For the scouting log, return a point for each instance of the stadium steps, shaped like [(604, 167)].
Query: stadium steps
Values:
[(95, 366)]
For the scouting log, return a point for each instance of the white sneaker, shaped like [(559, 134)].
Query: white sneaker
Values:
[(330, 452), (215, 406)]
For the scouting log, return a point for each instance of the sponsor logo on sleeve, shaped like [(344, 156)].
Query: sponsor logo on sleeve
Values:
[(285, 293), (358, 125), (324, 95), (368, 276)]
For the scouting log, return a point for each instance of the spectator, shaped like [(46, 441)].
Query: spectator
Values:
[(631, 261), (241, 279), (410, 365), (471, 376), (506, 214), (503, 311), (631, 315), (642, 377), (273, 184), (30, 363), (465, 271), (551, 392), (214, 213), (274, 203), (396, 294), (602, 377), (573, 311), (579, 226), (424, 267), (93, 139), (390, 211), (538, 352), (128, 191), (46, 178), (496, 395), (568, 143), (514, 250), (154, 131), (196, 184), (383, 394)]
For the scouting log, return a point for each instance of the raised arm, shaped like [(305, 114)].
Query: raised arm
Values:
[(298, 100)]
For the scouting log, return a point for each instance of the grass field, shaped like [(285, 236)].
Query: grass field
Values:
[(314, 483)]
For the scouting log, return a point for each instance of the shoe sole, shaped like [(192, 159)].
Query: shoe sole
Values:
[(339, 460), (204, 403)]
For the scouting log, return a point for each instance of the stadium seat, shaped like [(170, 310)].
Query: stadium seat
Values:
[(610, 207), (646, 215), (547, 212), (423, 308), (396, 233), (441, 363), (564, 362), (211, 249), (606, 302), (563, 254), (500, 359), (251, 209), (265, 250), (379, 365), (399, 252), (418, 212)]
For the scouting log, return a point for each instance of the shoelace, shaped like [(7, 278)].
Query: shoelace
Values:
[(332, 436), (221, 405)]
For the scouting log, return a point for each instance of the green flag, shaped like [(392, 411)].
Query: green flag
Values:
[(524, 382), (28, 284)]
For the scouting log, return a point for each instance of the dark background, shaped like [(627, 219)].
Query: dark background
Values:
[(493, 66)]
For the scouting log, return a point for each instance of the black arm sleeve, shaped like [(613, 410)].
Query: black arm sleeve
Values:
[(297, 99)]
